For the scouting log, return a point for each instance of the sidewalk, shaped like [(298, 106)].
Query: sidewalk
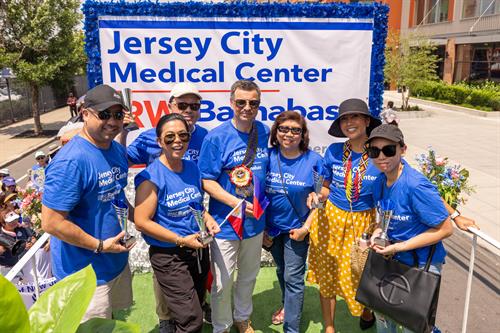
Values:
[(12, 148)]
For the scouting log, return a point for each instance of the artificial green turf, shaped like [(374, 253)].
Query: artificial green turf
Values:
[(266, 299)]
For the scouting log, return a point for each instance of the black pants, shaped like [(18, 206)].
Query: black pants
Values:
[(178, 275), (72, 110)]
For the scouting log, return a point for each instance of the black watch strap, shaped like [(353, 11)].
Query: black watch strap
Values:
[(99, 247)]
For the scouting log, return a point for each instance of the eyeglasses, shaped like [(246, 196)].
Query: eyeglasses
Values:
[(389, 151), (286, 129), (106, 115), (241, 103), (182, 106), (39, 158), (169, 138)]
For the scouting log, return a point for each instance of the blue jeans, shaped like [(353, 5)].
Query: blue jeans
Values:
[(290, 257), (387, 325)]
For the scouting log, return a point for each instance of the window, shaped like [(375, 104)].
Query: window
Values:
[(474, 8), (438, 11), (433, 11)]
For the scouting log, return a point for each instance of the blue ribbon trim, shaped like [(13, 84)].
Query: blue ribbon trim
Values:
[(377, 12)]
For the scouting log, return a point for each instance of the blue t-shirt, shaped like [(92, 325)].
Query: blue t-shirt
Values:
[(223, 149), (298, 181), (145, 149), (175, 192), (417, 207), (82, 180), (334, 172)]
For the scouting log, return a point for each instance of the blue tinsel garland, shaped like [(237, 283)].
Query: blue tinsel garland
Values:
[(378, 12)]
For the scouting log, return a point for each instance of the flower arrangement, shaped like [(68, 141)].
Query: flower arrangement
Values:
[(31, 207), (451, 181)]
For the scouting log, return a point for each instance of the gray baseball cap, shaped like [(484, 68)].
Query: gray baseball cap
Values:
[(103, 97), (352, 106), (387, 131)]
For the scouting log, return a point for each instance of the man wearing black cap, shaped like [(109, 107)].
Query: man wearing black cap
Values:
[(81, 181)]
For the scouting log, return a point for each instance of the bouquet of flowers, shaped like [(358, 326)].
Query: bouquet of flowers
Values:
[(31, 207), (451, 181)]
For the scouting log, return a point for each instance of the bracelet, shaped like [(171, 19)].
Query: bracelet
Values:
[(99, 247), (179, 241), (455, 214)]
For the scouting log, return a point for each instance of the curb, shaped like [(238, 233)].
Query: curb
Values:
[(27, 152), (446, 107), (456, 108)]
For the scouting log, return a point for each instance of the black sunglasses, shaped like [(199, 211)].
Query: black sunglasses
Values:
[(106, 115), (182, 106), (389, 151), (241, 103), (286, 129), (39, 158), (170, 137)]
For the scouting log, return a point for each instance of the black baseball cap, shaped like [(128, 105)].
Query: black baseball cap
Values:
[(388, 131), (103, 97), (352, 106)]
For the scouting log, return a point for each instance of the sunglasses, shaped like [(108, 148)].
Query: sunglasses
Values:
[(286, 129), (241, 103), (106, 115), (40, 158), (170, 137), (182, 106), (389, 151)]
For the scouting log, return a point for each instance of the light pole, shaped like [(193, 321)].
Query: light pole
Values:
[(6, 73)]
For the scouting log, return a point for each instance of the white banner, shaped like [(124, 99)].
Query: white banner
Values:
[(307, 65), (28, 292)]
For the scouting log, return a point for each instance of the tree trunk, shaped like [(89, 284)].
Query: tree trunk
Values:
[(34, 109)]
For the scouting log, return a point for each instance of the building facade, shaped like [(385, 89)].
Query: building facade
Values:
[(467, 33)]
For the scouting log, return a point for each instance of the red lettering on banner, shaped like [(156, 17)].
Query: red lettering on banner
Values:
[(154, 115), (160, 110), (137, 112)]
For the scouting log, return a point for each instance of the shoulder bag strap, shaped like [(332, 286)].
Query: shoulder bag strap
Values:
[(284, 188), (429, 258)]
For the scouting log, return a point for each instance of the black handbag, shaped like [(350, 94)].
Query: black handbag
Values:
[(408, 295)]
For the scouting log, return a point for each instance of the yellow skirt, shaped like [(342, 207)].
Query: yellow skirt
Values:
[(332, 235)]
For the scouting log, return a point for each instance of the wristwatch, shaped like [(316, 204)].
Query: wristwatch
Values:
[(99, 247), (455, 214)]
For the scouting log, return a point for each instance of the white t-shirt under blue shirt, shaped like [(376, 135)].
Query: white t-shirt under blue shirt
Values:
[(417, 208), (223, 149), (299, 182), (175, 192), (145, 149), (82, 180)]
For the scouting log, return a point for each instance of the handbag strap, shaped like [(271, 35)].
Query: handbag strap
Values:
[(284, 188), (429, 258)]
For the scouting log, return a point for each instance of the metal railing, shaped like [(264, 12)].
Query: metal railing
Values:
[(475, 234), (29, 256)]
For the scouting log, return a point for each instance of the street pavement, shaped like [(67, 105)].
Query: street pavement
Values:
[(470, 140)]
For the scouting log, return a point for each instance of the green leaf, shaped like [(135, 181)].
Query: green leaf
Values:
[(61, 307), (100, 325), (14, 317)]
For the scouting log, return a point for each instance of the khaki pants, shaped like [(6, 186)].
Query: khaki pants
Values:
[(114, 295)]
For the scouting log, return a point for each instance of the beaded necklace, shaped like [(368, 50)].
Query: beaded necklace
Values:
[(352, 183)]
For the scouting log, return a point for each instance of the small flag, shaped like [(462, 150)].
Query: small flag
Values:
[(237, 217), (260, 201)]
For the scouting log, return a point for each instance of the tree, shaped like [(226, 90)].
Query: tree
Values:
[(42, 43), (409, 60)]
